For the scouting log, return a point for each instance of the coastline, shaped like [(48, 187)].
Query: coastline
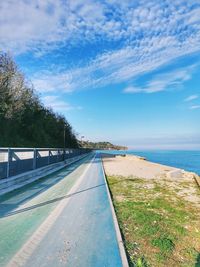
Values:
[(127, 164), (182, 159)]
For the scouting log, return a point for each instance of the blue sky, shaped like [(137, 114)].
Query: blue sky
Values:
[(120, 71)]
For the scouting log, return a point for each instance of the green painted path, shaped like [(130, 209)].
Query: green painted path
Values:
[(23, 210), (64, 219)]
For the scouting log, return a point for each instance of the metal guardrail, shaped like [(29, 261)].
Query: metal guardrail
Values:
[(14, 161)]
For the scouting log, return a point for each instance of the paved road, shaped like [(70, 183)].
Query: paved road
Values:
[(62, 220)]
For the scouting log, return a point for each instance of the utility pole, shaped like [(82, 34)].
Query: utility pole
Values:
[(64, 144), (82, 140)]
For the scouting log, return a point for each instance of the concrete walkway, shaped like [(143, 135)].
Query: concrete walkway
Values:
[(62, 220)]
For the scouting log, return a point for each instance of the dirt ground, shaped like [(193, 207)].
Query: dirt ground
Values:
[(179, 180)]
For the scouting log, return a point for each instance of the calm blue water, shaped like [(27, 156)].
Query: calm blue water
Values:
[(187, 160)]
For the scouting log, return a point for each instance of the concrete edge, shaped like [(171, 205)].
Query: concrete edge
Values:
[(116, 224), (197, 179), (14, 187)]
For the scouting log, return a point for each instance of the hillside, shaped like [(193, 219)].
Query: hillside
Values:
[(101, 145)]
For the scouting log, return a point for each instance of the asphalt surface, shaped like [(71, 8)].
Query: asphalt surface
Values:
[(63, 219)]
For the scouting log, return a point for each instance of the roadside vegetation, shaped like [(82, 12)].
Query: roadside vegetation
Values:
[(24, 120), (102, 145), (160, 228)]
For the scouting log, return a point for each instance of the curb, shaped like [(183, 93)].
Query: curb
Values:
[(197, 180), (116, 224)]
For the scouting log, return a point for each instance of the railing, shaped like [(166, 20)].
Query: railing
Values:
[(14, 161)]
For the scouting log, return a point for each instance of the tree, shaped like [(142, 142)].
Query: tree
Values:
[(24, 120)]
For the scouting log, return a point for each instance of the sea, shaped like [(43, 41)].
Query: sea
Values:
[(187, 160)]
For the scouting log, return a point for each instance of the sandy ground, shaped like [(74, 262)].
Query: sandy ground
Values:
[(135, 166), (181, 181)]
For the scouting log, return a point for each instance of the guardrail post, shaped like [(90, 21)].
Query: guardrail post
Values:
[(57, 156), (34, 159), (49, 157), (8, 162)]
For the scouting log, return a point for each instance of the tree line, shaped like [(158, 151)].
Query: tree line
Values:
[(24, 120), (102, 145)]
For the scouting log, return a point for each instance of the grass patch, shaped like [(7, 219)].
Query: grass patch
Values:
[(158, 226)]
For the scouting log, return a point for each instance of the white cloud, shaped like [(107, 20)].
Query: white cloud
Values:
[(29, 25), (195, 107), (57, 104), (170, 80), (49, 82), (113, 68), (46, 24), (191, 97), (151, 33)]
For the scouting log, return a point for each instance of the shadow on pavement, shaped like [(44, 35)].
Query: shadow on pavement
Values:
[(50, 201), (13, 199)]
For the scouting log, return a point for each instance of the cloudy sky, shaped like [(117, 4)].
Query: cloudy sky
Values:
[(124, 71)]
